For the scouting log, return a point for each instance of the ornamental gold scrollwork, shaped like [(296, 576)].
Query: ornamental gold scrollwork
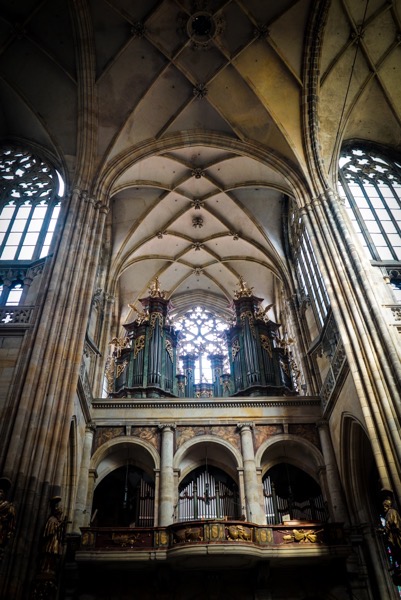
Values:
[(285, 368), (139, 345), (156, 316), (302, 536), (235, 348), (261, 313), (266, 344), (161, 538), (88, 538), (121, 368), (169, 349), (119, 345), (109, 373), (248, 315), (264, 536)]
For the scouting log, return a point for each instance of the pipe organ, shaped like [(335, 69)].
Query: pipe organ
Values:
[(145, 363)]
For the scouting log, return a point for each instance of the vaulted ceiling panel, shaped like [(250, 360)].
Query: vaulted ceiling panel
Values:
[(276, 88), (160, 105), (204, 213), (199, 114), (122, 86), (58, 106), (291, 25), (245, 112)]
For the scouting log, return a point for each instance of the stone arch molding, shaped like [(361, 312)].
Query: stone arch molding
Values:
[(105, 185), (185, 450), (119, 447), (288, 447), (355, 452)]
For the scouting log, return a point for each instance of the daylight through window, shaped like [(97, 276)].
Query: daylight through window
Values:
[(31, 191)]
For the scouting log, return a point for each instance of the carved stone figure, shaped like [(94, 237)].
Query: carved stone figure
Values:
[(392, 531), (7, 515)]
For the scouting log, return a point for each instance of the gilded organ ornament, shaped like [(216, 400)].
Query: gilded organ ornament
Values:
[(139, 345), (244, 291), (266, 344)]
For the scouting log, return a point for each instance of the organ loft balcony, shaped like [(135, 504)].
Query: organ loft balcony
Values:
[(214, 542)]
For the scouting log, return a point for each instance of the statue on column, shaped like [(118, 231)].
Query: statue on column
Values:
[(7, 516), (46, 582), (53, 537), (392, 531)]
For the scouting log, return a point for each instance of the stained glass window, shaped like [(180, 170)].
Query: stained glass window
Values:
[(201, 333)]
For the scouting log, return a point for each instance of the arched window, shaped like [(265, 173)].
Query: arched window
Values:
[(370, 182), (291, 494), (202, 334), (309, 277), (30, 194)]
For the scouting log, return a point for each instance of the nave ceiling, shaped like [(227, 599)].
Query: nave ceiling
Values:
[(190, 115)]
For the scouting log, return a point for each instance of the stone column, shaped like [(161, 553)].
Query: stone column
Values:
[(83, 480), (6, 290), (253, 487), (335, 499), (166, 498), (86, 516), (27, 283)]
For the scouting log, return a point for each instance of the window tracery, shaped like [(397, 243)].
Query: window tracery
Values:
[(370, 182), (202, 333), (30, 193), (312, 288)]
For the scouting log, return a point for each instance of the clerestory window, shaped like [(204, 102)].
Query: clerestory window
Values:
[(30, 195), (370, 182), (309, 277)]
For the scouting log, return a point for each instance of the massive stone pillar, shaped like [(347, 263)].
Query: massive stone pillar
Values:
[(253, 487), (167, 495), (335, 495), (36, 435), (80, 517), (368, 347)]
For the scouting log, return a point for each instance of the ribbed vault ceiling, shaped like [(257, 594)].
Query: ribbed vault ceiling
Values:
[(116, 76)]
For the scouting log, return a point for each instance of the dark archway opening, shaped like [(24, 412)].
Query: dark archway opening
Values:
[(292, 494), (125, 498)]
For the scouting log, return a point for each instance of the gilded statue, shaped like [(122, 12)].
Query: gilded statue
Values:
[(7, 515), (392, 531), (244, 290), (53, 536)]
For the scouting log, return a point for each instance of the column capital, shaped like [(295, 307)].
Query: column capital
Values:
[(245, 426), (90, 427), (322, 424), (163, 426)]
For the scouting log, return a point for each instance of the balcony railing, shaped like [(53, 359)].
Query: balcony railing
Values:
[(291, 533), (15, 315)]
